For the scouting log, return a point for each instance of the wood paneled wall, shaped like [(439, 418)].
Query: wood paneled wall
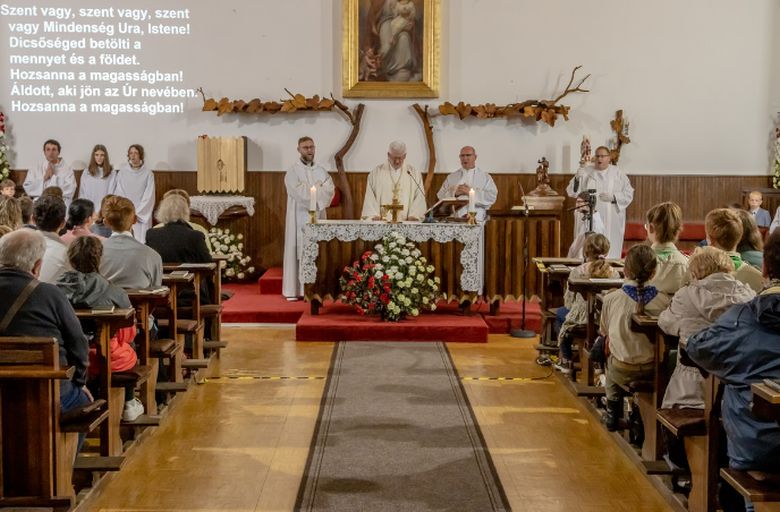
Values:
[(265, 230)]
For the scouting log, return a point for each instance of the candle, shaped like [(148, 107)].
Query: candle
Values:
[(472, 202), (313, 199)]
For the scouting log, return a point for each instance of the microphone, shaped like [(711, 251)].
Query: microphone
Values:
[(429, 217), (522, 196)]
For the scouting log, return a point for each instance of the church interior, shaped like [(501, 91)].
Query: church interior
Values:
[(421, 255)]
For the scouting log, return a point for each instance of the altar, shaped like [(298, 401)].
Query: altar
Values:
[(330, 245)]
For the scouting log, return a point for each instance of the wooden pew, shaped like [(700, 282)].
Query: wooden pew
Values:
[(38, 444), (183, 327)]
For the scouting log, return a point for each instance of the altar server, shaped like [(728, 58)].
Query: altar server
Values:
[(51, 172), (135, 181), (309, 188), (99, 178)]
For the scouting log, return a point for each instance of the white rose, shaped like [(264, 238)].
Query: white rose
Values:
[(227, 231), (415, 291), (241, 275), (415, 312), (250, 269), (430, 268), (231, 258), (433, 307), (430, 282), (420, 278), (374, 257), (240, 236), (233, 248), (425, 300), (408, 260), (378, 275), (230, 272), (240, 246), (405, 252), (219, 231), (400, 284)]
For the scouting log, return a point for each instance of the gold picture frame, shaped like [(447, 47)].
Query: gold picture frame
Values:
[(390, 49)]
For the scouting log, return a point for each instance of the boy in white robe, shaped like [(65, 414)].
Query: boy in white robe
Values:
[(136, 182), (52, 172), (394, 175), (613, 192), (470, 177), (299, 180)]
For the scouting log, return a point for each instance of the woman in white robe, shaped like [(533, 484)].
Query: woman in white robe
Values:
[(135, 181), (99, 178)]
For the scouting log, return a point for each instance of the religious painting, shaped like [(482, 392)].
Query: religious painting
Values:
[(390, 48)]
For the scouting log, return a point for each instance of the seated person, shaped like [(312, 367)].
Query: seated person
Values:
[(194, 225), (177, 242), (81, 216), (664, 225), (126, 262), (8, 188), (775, 222), (10, 212), (26, 206), (49, 214), (751, 245), (760, 215), (42, 311), (632, 355), (86, 288), (99, 227), (723, 227), (742, 348), (582, 208)]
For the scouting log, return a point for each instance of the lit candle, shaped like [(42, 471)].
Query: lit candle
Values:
[(472, 202), (313, 199)]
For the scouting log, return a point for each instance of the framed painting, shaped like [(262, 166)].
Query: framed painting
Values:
[(390, 48)]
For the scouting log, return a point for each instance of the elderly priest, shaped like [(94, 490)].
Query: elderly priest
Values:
[(394, 179)]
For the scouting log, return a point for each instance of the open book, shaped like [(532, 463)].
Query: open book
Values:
[(446, 207)]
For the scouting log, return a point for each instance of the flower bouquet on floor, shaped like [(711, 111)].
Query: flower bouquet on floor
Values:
[(225, 243), (393, 281)]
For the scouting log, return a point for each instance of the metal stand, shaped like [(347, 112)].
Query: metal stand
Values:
[(522, 332)]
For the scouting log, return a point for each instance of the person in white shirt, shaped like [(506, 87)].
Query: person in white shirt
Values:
[(775, 222), (49, 214), (299, 180), (52, 172), (470, 177), (135, 181), (394, 177), (99, 178), (614, 194)]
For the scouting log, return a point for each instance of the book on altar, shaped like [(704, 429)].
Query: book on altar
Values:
[(445, 207)]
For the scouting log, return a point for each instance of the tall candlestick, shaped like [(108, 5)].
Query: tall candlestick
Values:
[(472, 200), (313, 198)]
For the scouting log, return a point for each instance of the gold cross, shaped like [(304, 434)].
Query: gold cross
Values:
[(394, 207)]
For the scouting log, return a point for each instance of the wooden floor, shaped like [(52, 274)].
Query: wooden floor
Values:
[(240, 444)]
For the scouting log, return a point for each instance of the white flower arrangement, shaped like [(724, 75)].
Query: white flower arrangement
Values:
[(5, 165), (225, 243), (776, 161)]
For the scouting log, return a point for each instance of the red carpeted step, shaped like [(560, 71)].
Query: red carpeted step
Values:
[(509, 317), (271, 281), (249, 306), (339, 322)]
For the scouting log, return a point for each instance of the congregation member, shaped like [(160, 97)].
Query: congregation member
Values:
[(127, 262), (99, 227), (99, 178), (26, 207), (10, 212), (84, 287), (52, 171), (775, 222), (751, 245), (394, 178), (304, 174), (29, 307), (135, 181), (760, 215), (81, 217), (663, 224), (194, 225), (7, 188), (723, 228), (470, 177), (614, 194), (583, 228), (742, 348), (176, 242), (631, 355), (49, 215)]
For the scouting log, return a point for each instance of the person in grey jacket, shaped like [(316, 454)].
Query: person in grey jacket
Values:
[(45, 313), (742, 348)]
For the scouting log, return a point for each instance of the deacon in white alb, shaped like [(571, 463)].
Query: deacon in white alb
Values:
[(470, 177), (309, 187), (391, 176), (99, 178), (135, 181), (52, 172), (613, 195)]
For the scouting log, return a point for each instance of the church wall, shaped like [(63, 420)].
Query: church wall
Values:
[(698, 80)]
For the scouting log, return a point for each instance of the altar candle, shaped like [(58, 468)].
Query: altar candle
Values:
[(313, 198), (472, 203)]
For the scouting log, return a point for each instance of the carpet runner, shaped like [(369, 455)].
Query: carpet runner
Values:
[(396, 432)]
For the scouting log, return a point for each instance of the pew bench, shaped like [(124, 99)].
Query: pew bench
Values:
[(762, 489)]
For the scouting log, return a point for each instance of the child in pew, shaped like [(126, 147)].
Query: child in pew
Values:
[(751, 245), (723, 228), (664, 225), (86, 288), (631, 354), (575, 308)]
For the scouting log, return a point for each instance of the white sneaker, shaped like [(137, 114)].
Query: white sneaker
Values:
[(133, 409), (601, 381), (562, 367)]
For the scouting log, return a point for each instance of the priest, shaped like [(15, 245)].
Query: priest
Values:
[(470, 177), (613, 195), (394, 179), (309, 188)]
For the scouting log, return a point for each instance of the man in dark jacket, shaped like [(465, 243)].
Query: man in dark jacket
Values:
[(743, 348), (45, 313)]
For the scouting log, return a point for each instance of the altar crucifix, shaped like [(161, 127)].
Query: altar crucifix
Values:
[(395, 206)]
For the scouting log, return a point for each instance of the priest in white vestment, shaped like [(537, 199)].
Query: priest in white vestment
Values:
[(135, 181), (613, 195), (51, 172), (470, 177), (299, 180), (394, 177)]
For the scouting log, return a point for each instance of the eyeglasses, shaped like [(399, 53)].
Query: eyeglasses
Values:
[(602, 156), (467, 154)]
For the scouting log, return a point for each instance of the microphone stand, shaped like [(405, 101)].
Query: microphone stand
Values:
[(429, 216), (522, 332)]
